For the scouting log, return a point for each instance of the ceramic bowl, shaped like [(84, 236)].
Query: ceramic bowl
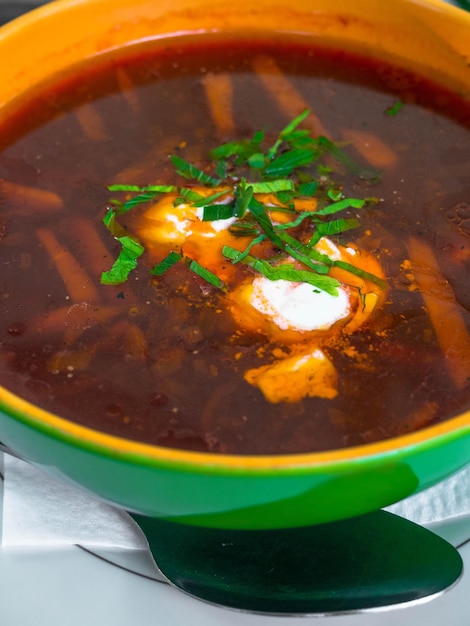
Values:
[(221, 491)]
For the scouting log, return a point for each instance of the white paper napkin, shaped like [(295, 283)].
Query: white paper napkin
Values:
[(40, 511), (446, 501)]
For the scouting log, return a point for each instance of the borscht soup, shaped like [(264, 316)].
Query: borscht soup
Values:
[(237, 246)]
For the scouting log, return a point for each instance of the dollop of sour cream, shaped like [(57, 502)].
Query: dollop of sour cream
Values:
[(283, 311), (298, 306)]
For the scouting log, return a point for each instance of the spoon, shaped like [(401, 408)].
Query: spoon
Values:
[(368, 562), (463, 4)]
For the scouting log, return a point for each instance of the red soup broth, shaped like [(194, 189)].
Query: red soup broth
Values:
[(164, 359)]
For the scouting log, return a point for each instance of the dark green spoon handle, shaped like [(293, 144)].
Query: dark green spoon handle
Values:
[(372, 561)]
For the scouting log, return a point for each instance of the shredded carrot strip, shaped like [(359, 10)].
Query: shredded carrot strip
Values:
[(143, 170), (91, 122), (371, 147), (78, 317), (26, 200), (78, 283), (127, 89), (96, 255), (135, 172), (443, 310), (71, 335), (70, 361), (219, 91), (289, 99), (73, 321), (136, 344), (423, 416)]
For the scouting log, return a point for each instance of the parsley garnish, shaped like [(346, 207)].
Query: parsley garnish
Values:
[(395, 108), (250, 184)]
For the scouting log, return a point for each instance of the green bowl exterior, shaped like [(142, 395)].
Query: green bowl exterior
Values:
[(240, 498)]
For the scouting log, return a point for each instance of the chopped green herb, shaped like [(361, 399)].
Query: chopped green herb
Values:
[(206, 274), (138, 189), (109, 220), (241, 150), (308, 189), (304, 215), (391, 111), (286, 271), (204, 201), (346, 203), (144, 194), (291, 169), (334, 194), (243, 198), (287, 162), (243, 229), (189, 196), (344, 159), (131, 250), (286, 133), (257, 161), (241, 255), (306, 252), (167, 263), (258, 210), (292, 126), (273, 186), (336, 227), (352, 269), (174, 257), (296, 254), (141, 198), (286, 199), (221, 169), (187, 170), (214, 212)]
